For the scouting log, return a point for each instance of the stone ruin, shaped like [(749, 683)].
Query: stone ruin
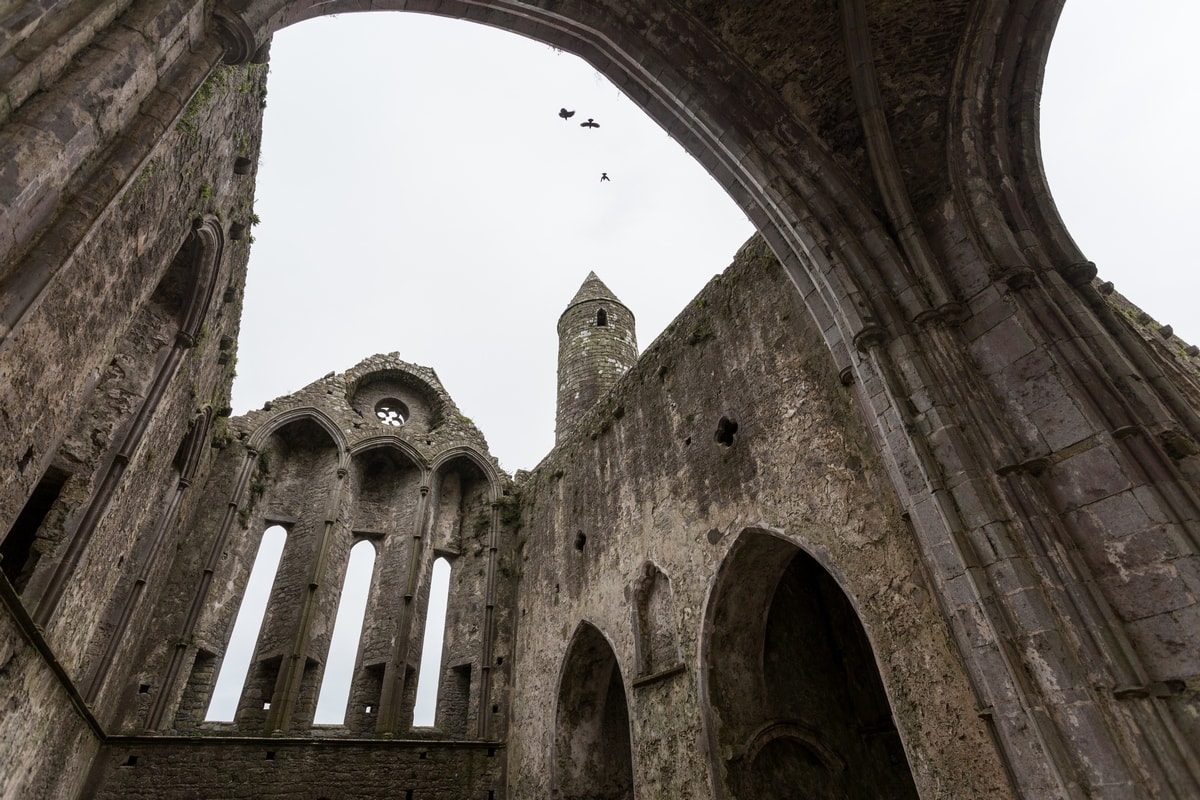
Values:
[(904, 504)]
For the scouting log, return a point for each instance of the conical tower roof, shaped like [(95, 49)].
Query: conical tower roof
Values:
[(592, 289)]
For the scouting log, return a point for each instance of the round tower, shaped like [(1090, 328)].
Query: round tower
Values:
[(597, 344)]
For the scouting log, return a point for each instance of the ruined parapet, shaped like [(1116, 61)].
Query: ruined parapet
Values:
[(378, 456), (597, 344)]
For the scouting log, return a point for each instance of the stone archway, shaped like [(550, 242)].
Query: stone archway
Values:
[(795, 697), (1027, 427), (593, 756)]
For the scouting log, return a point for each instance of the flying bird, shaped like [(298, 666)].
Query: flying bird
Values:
[(562, 112), (589, 124), (604, 177)]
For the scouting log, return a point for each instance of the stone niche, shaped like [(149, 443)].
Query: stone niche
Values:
[(396, 400)]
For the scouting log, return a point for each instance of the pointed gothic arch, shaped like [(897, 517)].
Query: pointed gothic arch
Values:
[(592, 749), (794, 692)]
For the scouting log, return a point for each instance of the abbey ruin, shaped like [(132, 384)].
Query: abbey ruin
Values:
[(905, 504)]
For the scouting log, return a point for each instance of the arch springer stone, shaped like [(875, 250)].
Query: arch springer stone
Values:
[(235, 37), (1018, 277), (870, 337), (1080, 273), (949, 314)]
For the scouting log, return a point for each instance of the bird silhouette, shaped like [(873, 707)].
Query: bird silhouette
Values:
[(604, 177), (562, 112), (589, 124)]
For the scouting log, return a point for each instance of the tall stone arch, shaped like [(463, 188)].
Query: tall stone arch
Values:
[(593, 755), (794, 694), (1044, 453)]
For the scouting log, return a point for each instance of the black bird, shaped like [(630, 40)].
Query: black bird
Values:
[(604, 177), (589, 124), (562, 112)]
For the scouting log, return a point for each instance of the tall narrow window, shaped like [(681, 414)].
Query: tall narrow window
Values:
[(240, 650), (347, 632), (602, 318), (425, 711)]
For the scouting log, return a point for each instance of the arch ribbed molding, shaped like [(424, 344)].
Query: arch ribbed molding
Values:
[(392, 442), (260, 436), (447, 457)]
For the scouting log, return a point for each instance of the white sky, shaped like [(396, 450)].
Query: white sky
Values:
[(419, 194)]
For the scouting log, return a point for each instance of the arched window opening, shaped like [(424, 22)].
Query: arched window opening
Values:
[(593, 757), (425, 711), (601, 318), (794, 684), (347, 635), (240, 650)]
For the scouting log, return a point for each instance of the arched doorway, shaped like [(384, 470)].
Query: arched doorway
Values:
[(796, 705), (593, 758)]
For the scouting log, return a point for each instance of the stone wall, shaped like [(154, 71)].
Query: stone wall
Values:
[(657, 478), (270, 769), (116, 425), (978, 455)]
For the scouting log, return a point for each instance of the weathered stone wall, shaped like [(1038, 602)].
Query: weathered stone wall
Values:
[(1041, 446), (115, 420), (46, 746), (644, 480), (272, 769)]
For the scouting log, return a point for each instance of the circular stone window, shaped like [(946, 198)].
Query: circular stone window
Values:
[(391, 412)]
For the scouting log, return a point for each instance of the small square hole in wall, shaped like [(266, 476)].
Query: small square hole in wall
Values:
[(267, 706), (499, 660), (491, 752), (495, 709), (270, 755), (130, 762), (369, 709), (423, 755), (144, 688), (408, 795)]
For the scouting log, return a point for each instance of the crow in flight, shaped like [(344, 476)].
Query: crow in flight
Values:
[(589, 124), (604, 177), (562, 112)]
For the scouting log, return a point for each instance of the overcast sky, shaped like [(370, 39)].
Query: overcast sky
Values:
[(419, 194)]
